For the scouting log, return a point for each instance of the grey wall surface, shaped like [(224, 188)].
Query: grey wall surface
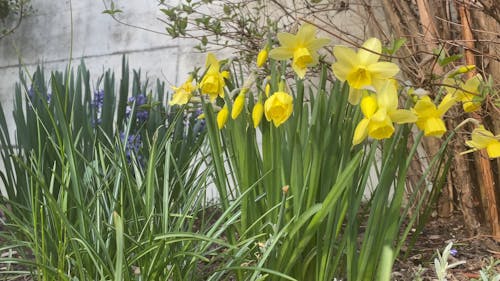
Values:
[(45, 38)]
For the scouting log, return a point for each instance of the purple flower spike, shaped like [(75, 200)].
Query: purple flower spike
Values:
[(141, 114)]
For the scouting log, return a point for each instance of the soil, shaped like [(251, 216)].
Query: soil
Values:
[(478, 252)]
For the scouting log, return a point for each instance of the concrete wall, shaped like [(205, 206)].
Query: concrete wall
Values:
[(45, 37)]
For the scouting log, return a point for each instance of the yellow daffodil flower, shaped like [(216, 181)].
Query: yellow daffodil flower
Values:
[(262, 57), (380, 112), (362, 69), (482, 138), (430, 117), (213, 83), (183, 93), (222, 117), (278, 108), (467, 92), (239, 104), (257, 113), (302, 48)]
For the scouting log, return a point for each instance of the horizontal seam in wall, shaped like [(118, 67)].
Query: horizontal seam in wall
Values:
[(93, 56)]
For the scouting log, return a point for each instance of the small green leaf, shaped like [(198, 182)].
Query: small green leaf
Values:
[(443, 60), (398, 44), (112, 12), (227, 10)]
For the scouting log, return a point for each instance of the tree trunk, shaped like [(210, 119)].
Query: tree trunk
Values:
[(428, 29)]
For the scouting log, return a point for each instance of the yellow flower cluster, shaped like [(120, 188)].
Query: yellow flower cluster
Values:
[(381, 111), (371, 85)]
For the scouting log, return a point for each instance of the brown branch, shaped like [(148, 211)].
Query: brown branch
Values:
[(491, 8)]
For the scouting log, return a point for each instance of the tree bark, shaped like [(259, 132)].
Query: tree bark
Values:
[(435, 26), (481, 161)]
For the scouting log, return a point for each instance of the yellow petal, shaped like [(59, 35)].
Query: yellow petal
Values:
[(470, 106), (388, 96), (493, 149), (473, 83), (367, 57), (481, 138), (383, 70), (287, 39), (281, 53), (380, 115), (306, 33), (346, 61), (425, 108), (369, 105), (316, 44), (402, 116), (452, 82), (212, 61), (180, 98), (448, 101), (474, 145), (361, 132)]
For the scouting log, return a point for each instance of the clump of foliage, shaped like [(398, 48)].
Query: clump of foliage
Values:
[(12, 13)]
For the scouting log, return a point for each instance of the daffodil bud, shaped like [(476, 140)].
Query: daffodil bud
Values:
[(257, 113), (262, 57), (285, 189), (268, 89), (461, 70), (466, 68), (238, 105), (222, 117)]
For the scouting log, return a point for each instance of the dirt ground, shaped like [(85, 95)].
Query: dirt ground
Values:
[(477, 252)]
